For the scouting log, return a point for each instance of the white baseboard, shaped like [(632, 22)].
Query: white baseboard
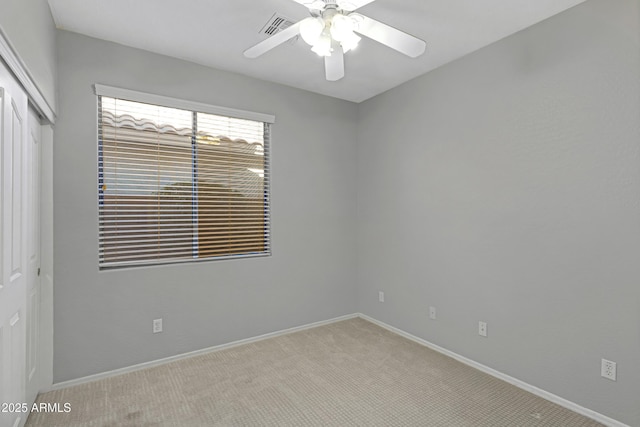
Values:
[(497, 374), (504, 377), (95, 377)]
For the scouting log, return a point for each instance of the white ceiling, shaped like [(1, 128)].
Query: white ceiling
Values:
[(216, 33)]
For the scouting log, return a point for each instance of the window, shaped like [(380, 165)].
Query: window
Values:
[(179, 184)]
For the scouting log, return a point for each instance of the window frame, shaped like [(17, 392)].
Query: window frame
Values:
[(194, 107)]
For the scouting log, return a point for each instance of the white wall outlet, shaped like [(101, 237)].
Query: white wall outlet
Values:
[(482, 329), (381, 296), (608, 369), (157, 325), (432, 313)]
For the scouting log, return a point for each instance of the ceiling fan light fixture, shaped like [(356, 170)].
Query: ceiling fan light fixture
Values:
[(334, 29), (351, 42), (323, 46), (341, 27), (311, 29), (357, 20)]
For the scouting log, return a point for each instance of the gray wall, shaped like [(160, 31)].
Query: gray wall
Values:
[(103, 319), (505, 187), (30, 29), (502, 187)]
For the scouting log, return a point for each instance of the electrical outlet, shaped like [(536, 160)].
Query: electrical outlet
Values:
[(381, 296), (157, 326), (432, 313), (608, 369), (482, 329)]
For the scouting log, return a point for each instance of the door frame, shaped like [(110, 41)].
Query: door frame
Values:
[(19, 69)]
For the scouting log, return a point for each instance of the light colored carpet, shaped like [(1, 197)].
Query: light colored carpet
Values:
[(349, 373)]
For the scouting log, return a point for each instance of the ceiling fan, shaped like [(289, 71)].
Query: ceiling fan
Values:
[(331, 31)]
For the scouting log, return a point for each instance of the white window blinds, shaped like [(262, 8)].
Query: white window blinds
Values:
[(179, 185)]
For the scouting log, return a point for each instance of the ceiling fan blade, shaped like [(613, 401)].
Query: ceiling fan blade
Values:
[(351, 5), (312, 4), (273, 41), (334, 64), (389, 36)]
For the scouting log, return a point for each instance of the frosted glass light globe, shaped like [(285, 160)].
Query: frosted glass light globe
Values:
[(351, 42), (341, 27), (311, 29), (323, 45)]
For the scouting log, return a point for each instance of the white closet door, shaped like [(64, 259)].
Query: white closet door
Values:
[(14, 196), (32, 164)]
